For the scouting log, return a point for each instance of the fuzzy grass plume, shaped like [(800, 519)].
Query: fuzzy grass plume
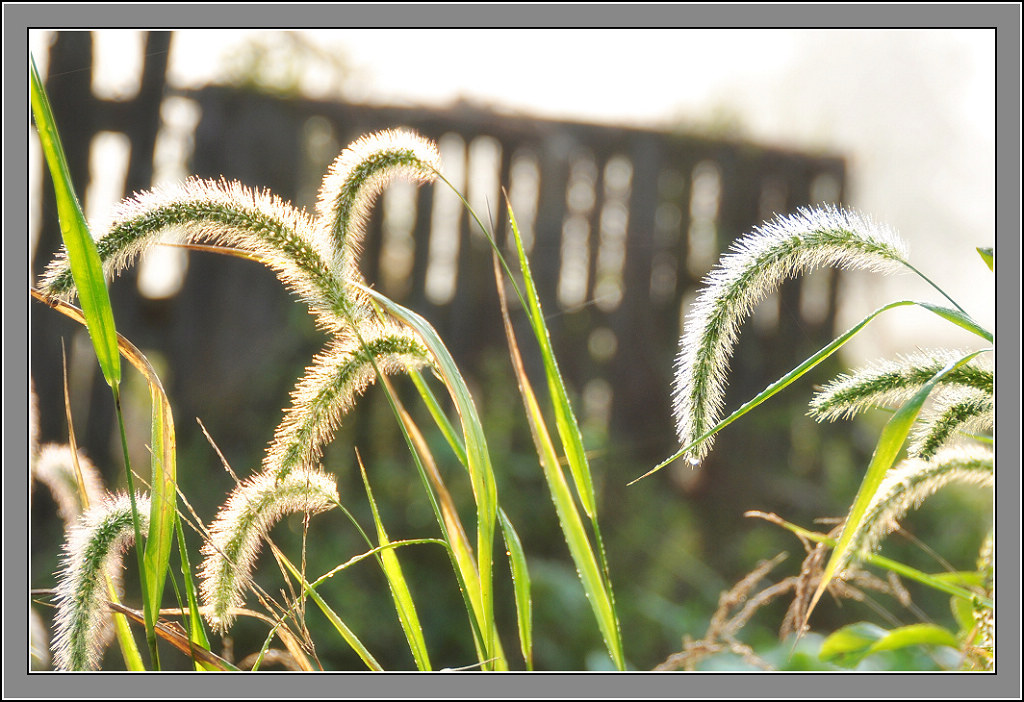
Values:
[(330, 388), (756, 266), (890, 383), (209, 212), (242, 524), (94, 547), (355, 179), (314, 257), (967, 412), (54, 468), (908, 484)]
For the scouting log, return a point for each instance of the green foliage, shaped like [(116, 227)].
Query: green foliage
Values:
[(936, 400), (959, 386), (370, 336)]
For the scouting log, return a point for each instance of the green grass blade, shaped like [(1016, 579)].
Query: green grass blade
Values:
[(574, 532), (988, 255), (404, 604), (960, 319), (848, 646), (521, 586), (434, 407), (163, 507), (894, 434), (333, 618), (150, 612), (565, 419), (478, 463), (81, 249), (595, 585), (196, 630), (125, 640)]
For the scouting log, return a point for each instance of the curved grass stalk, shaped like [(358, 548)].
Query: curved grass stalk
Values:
[(908, 484), (93, 548), (243, 522), (891, 383), (756, 265)]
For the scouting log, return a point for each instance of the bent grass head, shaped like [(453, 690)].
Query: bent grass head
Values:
[(354, 180), (242, 524), (54, 467), (755, 267), (908, 484), (94, 547)]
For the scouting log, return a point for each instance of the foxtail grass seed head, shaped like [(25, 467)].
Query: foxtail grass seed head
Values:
[(908, 484), (331, 386), (215, 212), (242, 524), (756, 266), (355, 179), (953, 414), (890, 383), (54, 468), (94, 547)]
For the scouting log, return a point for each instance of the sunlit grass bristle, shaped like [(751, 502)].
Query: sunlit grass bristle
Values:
[(94, 547), (242, 523), (756, 266)]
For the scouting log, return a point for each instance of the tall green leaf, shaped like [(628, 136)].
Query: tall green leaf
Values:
[(988, 255), (85, 264), (521, 586), (565, 419), (404, 604), (595, 583), (478, 463)]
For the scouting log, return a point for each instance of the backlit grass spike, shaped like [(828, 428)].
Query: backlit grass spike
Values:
[(94, 546), (755, 267)]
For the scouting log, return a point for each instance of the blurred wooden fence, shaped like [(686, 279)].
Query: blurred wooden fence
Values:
[(621, 224)]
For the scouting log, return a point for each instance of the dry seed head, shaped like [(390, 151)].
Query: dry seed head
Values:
[(755, 267), (242, 524), (94, 547)]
